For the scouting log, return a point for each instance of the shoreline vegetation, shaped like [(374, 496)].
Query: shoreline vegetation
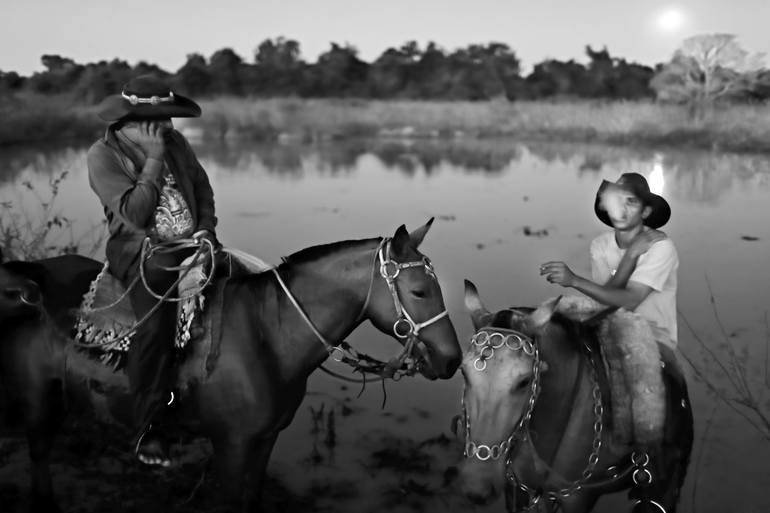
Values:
[(735, 128)]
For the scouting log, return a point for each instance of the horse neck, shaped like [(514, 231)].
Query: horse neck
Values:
[(34, 345), (560, 401), (332, 291)]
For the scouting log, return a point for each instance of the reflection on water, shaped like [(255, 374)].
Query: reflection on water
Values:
[(701, 175), (502, 208), (656, 178)]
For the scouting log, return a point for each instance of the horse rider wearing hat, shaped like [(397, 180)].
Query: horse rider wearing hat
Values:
[(151, 185), (635, 265)]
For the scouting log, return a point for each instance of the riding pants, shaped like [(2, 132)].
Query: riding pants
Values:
[(150, 358)]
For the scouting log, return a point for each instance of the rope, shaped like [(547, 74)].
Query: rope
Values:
[(161, 248), (170, 248)]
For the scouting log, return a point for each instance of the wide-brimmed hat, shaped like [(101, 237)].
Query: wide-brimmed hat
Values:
[(147, 97), (638, 186)]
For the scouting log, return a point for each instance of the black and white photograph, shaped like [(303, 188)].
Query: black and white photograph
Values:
[(365, 256)]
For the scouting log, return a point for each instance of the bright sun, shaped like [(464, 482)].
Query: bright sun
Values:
[(670, 19)]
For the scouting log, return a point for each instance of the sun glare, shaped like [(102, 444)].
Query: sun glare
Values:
[(670, 19), (656, 180)]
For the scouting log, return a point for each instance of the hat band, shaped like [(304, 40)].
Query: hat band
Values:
[(152, 100)]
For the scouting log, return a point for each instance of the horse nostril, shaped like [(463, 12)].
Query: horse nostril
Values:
[(453, 364), (525, 383), (479, 499)]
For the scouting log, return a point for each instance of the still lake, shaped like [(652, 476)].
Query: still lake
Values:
[(501, 208)]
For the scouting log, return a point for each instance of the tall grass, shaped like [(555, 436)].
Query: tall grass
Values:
[(731, 375), (742, 128), (40, 232), (39, 118), (734, 128)]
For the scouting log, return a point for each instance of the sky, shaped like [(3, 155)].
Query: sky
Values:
[(164, 32)]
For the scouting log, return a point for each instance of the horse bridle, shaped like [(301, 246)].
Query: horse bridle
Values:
[(487, 340), (490, 339), (405, 327)]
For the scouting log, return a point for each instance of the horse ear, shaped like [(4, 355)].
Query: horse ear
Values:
[(400, 241), (479, 313), (542, 314), (31, 270), (418, 235)]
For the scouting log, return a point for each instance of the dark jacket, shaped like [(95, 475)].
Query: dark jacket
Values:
[(129, 200)]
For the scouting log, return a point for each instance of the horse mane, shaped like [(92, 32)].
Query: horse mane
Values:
[(305, 255), (502, 318), (322, 250)]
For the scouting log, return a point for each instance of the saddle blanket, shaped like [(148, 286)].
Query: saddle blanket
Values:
[(633, 365), (106, 319)]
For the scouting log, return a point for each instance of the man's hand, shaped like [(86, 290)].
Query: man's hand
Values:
[(644, 241), (559, 273), (150, 136), (205, 234)]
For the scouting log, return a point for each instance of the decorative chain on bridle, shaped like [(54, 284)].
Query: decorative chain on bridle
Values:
[(488, 340), (403, 364)]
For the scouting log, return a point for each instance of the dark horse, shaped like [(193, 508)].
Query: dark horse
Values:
[(268, 348), (536, 418)]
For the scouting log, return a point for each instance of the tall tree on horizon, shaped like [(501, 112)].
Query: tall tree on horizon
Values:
[(277, 68), (194, 76), (707, 69)]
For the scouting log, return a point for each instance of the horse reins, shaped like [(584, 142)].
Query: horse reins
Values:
[(148, 249), (403, 328)]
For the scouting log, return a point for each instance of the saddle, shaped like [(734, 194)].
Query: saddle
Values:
[(104, 321), (633, 364)]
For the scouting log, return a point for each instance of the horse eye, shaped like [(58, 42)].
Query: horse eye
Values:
[(418, 293)]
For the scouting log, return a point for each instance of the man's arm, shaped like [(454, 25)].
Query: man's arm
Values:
[(133, 201), (204, 194), (628, 297), (639, 246)]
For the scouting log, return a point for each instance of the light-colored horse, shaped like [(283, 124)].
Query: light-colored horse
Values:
[(536, 415)]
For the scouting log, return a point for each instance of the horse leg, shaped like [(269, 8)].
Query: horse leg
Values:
[(238, 462), (42, 414), (41, 492), (257, 468)]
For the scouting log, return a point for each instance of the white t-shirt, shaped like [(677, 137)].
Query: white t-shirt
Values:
[(656, 268)]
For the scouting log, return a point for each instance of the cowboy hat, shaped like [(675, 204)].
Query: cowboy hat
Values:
[(637, 185), (147, 97)]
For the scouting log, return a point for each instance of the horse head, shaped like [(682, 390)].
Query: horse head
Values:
[(19, 293), (501, 368), (407, 303)]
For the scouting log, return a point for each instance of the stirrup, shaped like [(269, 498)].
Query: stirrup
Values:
[(164, 457)]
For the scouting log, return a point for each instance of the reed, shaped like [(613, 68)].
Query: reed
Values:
[(740, 128)]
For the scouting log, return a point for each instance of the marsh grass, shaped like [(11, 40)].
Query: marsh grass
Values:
[(731, 375), (40, 118), (741, 128), (42, 231)]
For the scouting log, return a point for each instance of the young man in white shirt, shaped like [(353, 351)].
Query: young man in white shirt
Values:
[(634, 266)]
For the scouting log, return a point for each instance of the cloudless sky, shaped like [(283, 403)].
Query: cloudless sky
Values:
[(165, 31)]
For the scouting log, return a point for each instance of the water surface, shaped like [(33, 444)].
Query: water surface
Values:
[(501, 209)]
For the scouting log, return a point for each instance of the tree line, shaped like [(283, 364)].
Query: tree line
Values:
[(475, 72)]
